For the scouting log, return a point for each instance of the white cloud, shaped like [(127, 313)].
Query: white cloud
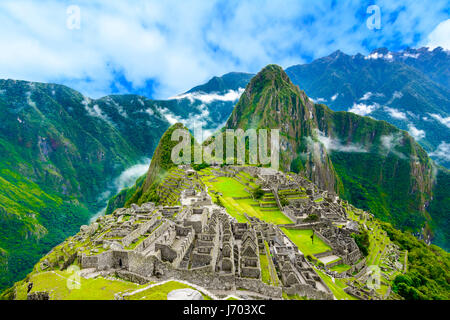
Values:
[(231, 95), (366, 96), (363, 109), (394, 113), (442, 152), (397, 95), (334, 97), (169, 115), (332, 144), (125, 180), (199, 120), (369, 94), (416, 133), (439, 37), (94, 111), (390, 142), (150, 112), (318, 100), (128, 177), (180, 44), (444, 121), (410, 55), (388, 56)]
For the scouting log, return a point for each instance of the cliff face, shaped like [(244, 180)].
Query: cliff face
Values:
[(371, 163), (383, 168)]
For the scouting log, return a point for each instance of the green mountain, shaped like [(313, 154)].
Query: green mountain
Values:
[(55, 159), (269, 99), (159, 169), (230, 81), (61, 154), (408, 89), (371, 163)]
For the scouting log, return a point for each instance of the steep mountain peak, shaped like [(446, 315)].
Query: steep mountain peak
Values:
[(271, 75), (229, 81), (159, 167), (272, 101), (337, 54), (267, 93), (161, 160)]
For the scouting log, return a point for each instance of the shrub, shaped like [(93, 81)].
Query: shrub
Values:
[(362, 240), (311, 218), (283, 200), (258, 193), (198, 167)]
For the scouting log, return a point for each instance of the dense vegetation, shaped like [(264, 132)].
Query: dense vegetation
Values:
[(258, 192), (362, 240), (159, 167), (428, 268)]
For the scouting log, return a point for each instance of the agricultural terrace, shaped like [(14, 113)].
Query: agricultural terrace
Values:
[(235, 194), (379, 243)]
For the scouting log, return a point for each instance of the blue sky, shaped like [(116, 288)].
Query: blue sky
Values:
[(163, 48)]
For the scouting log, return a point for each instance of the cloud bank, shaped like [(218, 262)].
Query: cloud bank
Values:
[(442, 152), (333, 144), (162, 48), (363, 109)]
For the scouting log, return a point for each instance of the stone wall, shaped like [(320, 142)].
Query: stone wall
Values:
[(250, 272), (133, 236), (308, 291), (259, 287), (152, 238)]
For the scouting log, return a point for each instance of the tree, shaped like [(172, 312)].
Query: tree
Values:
[(219, 202), (258, 192), (283, 200), (362, 241)]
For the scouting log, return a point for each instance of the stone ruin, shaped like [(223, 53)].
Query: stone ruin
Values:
[(198, 241)]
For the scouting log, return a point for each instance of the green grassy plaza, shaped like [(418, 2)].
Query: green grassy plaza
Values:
[(230, 189), (302, 239)]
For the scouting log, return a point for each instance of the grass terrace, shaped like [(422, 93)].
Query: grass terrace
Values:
[(337, 286), (91, 289), (340, 268), (268, 272), (302, 239), (159, 292), (231, 191)]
